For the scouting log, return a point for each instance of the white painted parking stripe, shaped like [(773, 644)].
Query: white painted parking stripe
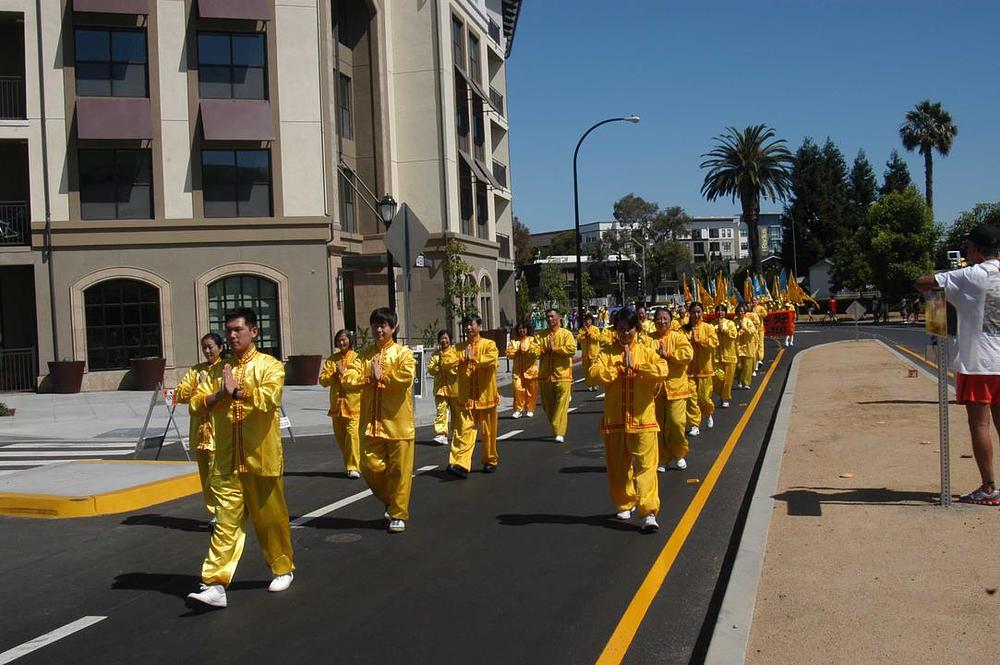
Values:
[(68, 445), (601, 396), (11, 655), (513, 432), (579, 380), (65, 453), (571, 409), (336, 505)]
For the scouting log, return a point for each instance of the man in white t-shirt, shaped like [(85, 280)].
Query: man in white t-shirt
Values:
[(975, 294)]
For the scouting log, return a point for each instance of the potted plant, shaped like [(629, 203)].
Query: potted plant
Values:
[(66, 376), (6, 410), (147, 372), (303, 370)]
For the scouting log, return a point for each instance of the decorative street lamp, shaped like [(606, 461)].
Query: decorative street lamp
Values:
[(387, 211), (576, 209)]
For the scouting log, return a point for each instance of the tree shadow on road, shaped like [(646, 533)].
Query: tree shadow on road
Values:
[(808, 501), (604, 521), (167, 522)]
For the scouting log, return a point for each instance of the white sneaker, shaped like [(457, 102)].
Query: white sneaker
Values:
[(397, 526), (212, 595), (353, 475), (516, 414), (710, 423), (725, 405), (677, 464), (661, 469), (694, 431), (530, 414), (441, 439), (213, 521), (385, 515), (280, 583), (649, 523), (755, 372), (560, 439), (625, 514)]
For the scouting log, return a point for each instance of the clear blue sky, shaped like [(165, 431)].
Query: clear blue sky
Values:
[(847, 69)]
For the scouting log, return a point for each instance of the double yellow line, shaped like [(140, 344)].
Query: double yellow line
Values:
[(621, 639)]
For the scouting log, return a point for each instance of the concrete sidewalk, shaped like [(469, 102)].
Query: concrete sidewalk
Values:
[(861, 564)]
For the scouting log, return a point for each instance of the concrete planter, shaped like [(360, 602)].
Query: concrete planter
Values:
[(66, 376), (147, 372), (303, 370)]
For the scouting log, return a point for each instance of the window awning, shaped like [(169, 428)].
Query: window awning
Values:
[(473, 85), (113, 118), (112, 6), (479, 170), (237, 120), (254, 10)]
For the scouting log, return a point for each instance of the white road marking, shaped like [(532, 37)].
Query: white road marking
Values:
[(336, 505), (513, 432), (579, 380), (5, 473), (571, 409), (66, 453), (600, 396), (11, 655), (36, 462), (75, 445)]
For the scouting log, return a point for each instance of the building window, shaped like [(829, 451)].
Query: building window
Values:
[(458, 42), (482, 211), (696, 234), (110, 63), (116, 184), (466, 202), (236, 183), (713, 233), (123, 322), (474, 58), (348, 218), (478, 130), (486, 303), (259, 294), (713, 248), (462, 115), (345, 122), (231, 66), (699, 248)]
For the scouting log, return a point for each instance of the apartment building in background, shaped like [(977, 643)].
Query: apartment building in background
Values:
[(167, 160)]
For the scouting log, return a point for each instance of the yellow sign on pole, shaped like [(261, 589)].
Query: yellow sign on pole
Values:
[(936, 313)]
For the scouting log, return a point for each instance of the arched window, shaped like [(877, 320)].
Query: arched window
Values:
[(259, 294), (469, 296), (123, 322), (486, 302)]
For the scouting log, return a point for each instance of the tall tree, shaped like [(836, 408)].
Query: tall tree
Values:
[(862, 188), (461, 293), (524, 253), (562, 244), (850, 267), (928, 127), (896, 177), (902, 242), (553, 288), (954, 238), (748, 165)]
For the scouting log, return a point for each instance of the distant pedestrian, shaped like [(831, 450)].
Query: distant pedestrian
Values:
[(975, 294), (443, 366), (345, 403)]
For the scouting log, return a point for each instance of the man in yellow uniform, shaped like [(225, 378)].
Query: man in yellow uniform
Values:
[(555, 375), (590, 339), (671, 402), (385, 373), (646, 326), (746, 347), (477, 400), (345, 403), (524, 375), (244, 400), (200, 433), (632, 372), (704, 340), (725, 356), (445, 387), (761, 312)]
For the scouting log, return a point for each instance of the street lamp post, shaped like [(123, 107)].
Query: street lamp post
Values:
[(576, 208), (387, 211)]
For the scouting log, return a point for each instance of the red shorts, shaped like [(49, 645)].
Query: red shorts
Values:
[(978, 389)]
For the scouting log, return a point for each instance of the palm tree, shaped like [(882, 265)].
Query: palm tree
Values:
[(748, 165), (928, 127)]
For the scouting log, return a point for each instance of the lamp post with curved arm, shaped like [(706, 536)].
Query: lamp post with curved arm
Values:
[(576, 209)]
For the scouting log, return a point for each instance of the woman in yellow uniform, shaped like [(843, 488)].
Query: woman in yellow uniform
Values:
[(725, 356), (443, 366), (200, 433), (555, 374), (761, 312), (590, 339), (632, 373), (746, 347), (704, 339), (673, 346), (345, 403), (524, 375)]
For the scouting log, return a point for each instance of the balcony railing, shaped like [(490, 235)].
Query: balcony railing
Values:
[(500, 173), (504, 246), (12, 98), (14, 223), (496, 99), (17, 370)]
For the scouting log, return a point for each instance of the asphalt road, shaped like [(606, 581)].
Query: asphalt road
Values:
[(522, 566)]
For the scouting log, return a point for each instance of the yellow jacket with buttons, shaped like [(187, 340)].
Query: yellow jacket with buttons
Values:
[(746, 339), (345, 400), (557, 361), (443, 366), (477, 377), (726, 331), (200, 432), (524, 353), (679, 353), (630, 396), (386, 404), (590, 340), (704, 340)]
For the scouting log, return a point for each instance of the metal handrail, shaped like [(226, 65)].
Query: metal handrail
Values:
[(12, 98), (14, 223)]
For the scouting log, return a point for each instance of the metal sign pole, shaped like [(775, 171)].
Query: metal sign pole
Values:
[(942, 375)]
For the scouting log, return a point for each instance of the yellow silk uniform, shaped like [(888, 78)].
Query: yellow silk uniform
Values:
[(746, 349), (725, 358), (443, 366), (757, 326), (705, 340), (590, 340), (555, 375), (248, 467), (200, 436), (761, 313), (345, 407), (477, 403), (629, 424), (672, 399), (386, 424), (648, 327), (524, 374)]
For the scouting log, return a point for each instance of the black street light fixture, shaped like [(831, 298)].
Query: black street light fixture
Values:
[(576, 209), (387, 211)]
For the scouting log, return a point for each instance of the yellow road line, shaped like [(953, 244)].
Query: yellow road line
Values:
[(621, 639), (919, 357)]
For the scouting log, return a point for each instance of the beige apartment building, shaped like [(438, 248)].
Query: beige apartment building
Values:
[(167, 160)]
